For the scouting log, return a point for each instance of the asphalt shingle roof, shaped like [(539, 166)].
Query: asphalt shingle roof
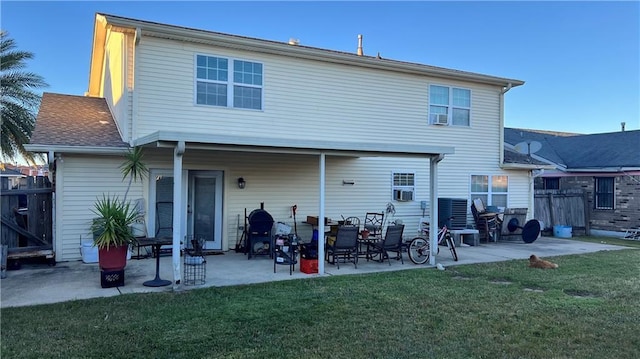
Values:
[(575, 151), (68, 120)]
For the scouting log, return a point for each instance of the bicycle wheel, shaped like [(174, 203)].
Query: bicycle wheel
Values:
[(419, 250), (452, 247)]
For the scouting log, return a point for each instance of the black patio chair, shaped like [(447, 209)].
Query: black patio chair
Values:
[(392, 242), (345, 246)]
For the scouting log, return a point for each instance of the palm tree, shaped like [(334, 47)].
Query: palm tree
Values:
[(18, 101)]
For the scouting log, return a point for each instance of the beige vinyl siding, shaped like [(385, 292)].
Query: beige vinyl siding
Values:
[(85, 179), (117, 79), (302, 99)]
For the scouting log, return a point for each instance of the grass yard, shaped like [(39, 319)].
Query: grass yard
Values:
[(588, 308)]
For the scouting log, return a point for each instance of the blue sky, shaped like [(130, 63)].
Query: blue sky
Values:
[(580, 60)]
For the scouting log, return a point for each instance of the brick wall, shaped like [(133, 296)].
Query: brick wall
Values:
[(626, 213)]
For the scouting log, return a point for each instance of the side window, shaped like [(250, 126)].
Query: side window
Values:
[(551, 183), (604, 192), (403, 187)]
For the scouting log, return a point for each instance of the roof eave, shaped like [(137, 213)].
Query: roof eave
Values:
[(526, 166), (280, 145), (305, 52), (94, 150)]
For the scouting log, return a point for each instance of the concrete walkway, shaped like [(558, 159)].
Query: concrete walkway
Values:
[(41, 284)]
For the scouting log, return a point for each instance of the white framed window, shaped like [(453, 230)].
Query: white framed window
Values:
[(215, 86), (492, 189), (449, 105), (403, 186), (604, 192)]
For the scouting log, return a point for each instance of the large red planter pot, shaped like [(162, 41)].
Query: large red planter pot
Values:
[(113, 258)]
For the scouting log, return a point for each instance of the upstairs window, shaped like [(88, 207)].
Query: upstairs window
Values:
[(214, 86), (449, 105), (604, 193)]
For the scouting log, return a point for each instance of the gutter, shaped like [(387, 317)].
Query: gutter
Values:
[(90, 150)]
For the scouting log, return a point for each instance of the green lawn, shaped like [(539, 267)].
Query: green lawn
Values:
[(588, 308)]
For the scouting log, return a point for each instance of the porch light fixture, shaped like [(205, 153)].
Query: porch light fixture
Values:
[(241, 183)]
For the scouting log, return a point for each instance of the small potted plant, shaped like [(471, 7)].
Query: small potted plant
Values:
[(112, 228)]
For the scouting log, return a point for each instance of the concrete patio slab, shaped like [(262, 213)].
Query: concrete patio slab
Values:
[(41, 284)]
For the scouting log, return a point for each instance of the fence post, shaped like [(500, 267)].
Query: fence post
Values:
[(587, 211)]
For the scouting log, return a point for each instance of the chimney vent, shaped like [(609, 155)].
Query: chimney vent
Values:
[(293, 41), (360, 52), (622, 124)]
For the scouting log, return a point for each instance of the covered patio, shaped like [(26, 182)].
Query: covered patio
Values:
[(41, 284)]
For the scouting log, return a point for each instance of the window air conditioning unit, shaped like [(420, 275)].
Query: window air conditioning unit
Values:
[(403, 195), (439, 119)]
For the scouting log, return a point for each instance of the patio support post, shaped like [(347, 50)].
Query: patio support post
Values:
[(177, 210), (321, 238), (433, 208)]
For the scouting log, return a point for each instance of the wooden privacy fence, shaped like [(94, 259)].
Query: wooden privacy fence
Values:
[(27, 221), (562, 207)]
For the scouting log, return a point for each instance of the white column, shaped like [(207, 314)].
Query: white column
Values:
[(433, 208), (321, 238), (177, 210)]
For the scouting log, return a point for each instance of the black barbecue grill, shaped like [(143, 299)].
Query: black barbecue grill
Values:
[(259, 238)]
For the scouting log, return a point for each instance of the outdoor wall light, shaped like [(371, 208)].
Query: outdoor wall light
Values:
[(241, 183)]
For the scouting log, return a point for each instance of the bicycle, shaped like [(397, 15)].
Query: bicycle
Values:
[(419, 249)]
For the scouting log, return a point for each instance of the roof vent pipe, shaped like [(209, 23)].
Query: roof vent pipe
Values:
[(360, 53), (622, 124)]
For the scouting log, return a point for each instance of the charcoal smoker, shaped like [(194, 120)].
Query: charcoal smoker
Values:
[(259, 233)]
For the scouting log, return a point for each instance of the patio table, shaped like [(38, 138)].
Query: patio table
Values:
[(157, 243)]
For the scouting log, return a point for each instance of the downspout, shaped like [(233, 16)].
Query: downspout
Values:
[(532, 175), (502, 92)]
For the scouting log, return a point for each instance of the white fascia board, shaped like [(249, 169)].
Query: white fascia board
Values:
[(287, 145), (92, 150), (523, 166)]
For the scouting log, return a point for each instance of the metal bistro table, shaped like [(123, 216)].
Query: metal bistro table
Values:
[(156, 243)]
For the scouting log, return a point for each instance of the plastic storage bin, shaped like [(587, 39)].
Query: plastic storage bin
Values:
[(562, 231)]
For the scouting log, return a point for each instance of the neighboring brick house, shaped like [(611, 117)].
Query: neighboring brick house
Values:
[(606, 166)]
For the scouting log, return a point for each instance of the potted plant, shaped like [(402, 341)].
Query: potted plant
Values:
[(112, 228), (112, 233)]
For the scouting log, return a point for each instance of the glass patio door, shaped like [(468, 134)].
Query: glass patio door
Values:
[(204, 208)]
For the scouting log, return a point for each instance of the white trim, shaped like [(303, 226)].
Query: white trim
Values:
[(304, 146)]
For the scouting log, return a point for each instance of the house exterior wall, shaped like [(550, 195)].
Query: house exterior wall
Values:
[(151, 87), (626, 213), (118, 79), (304, 99), (85, 179)]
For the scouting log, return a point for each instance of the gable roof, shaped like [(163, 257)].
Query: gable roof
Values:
[(615, 151), (65, 122), (143, 28)]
